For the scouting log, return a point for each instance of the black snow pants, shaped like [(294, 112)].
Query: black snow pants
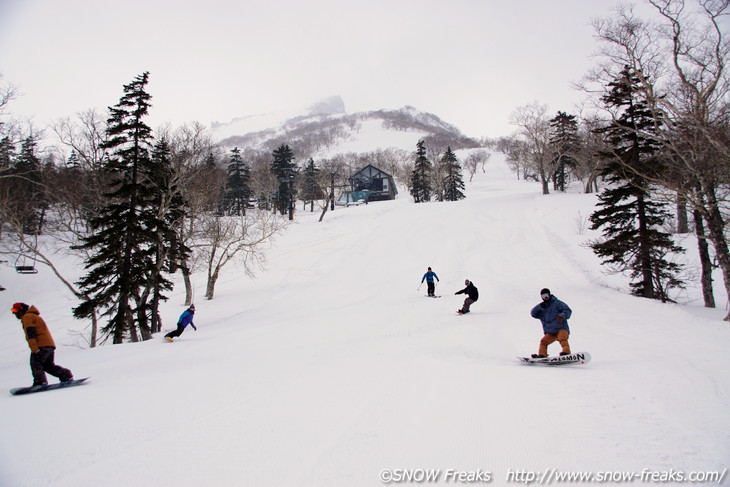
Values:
[(431, 288), (178, 332), (42, 362)]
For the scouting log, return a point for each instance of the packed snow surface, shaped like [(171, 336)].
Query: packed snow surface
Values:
[(331, 368)]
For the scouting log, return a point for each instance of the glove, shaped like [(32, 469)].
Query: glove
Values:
[(194, 328), (560, 319)]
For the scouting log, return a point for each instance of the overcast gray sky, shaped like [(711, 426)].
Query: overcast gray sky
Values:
[(471, 62)]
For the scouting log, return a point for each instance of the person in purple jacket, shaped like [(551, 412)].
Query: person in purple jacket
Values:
[(185, 319), (554, 314)]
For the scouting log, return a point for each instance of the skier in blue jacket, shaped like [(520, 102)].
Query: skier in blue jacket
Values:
[(429, 277), (185, 319), (554, 315)]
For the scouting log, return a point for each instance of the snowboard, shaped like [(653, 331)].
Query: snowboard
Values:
[(578, 358), (59, 385)]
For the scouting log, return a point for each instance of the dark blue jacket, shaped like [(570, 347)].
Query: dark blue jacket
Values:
[(547, 312), (186, 319), (429, 277)]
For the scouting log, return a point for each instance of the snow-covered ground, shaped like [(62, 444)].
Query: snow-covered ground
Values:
[(331, 368)]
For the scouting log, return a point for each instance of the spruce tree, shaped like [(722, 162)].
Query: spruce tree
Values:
[(283, 167), (28, 195), (421, 188), (564, 142), (629, 218), (7, 153), (73, 161), (121, 244), (310, 187), (162, 217), (453, 183), (238, 191)]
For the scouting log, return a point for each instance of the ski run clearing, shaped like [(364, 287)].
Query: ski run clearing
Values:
[(330, 369)]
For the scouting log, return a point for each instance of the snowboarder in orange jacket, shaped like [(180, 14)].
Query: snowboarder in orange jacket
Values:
[(42, 346)]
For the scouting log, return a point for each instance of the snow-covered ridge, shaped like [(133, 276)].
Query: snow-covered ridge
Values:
[(324, 126), (332, 105)]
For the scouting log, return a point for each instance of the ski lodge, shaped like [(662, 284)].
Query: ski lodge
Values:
[(379, 185)]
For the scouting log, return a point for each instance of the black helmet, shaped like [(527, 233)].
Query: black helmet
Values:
[(19, 309)]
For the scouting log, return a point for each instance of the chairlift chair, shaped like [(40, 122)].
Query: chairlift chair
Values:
[(23, 268)]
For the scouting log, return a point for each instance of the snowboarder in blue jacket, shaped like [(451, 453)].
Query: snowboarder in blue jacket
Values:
[(429, 277), (185, 319), (554, 315)]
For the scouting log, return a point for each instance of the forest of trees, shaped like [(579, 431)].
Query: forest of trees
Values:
[(442, 181), (653, 139), (137, 205)]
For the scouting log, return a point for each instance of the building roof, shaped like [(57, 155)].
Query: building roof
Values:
[(371, 172)]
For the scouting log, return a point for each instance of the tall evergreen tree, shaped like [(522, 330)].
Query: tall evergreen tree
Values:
[(283, 167), (238, 191), (631, 220), (421, 188), (73, 161), (310, 187), (162, 217), (7, 153), (122, 239), (564, 142), (453, 181), (29, 198)]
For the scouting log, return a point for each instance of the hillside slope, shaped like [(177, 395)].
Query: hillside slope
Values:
[(331, 366), (317, 132)]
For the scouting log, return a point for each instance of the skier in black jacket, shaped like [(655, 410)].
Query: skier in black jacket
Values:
[(472, 296)]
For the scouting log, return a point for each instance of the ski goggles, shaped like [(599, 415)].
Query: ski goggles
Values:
[(545, 296)]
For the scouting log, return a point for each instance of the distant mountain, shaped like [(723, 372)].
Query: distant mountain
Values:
[(324, 128), (329, 106)]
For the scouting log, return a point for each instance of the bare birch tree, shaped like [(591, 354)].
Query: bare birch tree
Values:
[(331, 177), (221, 240), (63, 231), (474, 160), (534, 128), (682, 63)]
